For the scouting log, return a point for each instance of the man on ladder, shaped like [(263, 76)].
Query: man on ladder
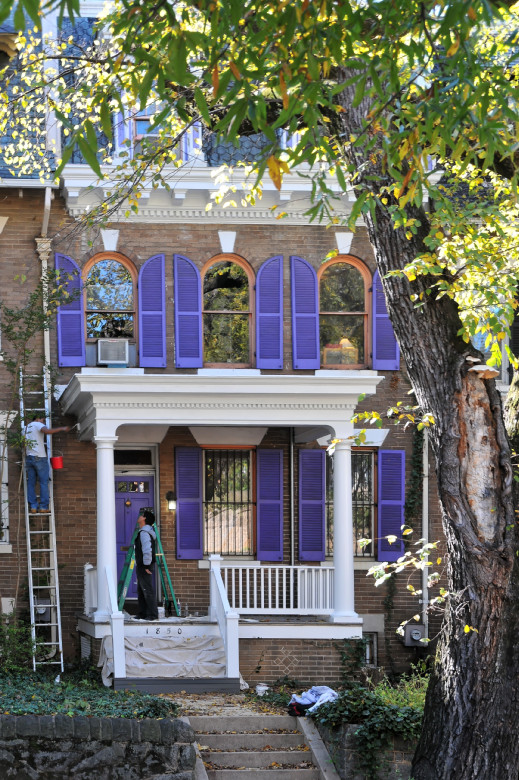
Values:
[(37, 464), (144, 562)]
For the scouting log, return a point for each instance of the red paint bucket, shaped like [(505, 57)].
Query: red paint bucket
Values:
[(57, 462)]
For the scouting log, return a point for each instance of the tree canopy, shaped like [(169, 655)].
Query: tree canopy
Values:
[(439, 78)]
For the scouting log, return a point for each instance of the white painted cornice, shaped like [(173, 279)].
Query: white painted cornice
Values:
[(191, 190), (104, 402)]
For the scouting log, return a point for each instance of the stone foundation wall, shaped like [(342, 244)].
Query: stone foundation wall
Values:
[(395, 762), (45, 747)]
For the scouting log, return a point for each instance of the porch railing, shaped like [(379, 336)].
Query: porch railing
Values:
[(282, 590), (225, 616)]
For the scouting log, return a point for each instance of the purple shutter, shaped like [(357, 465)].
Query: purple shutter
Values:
[(188, 314), (188, 482), (270, 505), (386, 352), (152, 313), (269, 314), (70, 322), (391, 498), (305, 314), (312, 473)]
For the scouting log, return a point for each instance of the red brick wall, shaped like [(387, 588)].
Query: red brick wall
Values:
[(311, 661), (75, 485)]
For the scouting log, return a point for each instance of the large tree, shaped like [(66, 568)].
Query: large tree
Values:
[(383, 95)]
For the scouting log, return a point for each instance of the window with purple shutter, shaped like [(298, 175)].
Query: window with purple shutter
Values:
[(188, 314), (312, 493), (269, 314), (391, 499), (386, 352), (270, 505), (305, 314), (188, 482), (152, 313), (70, 320)]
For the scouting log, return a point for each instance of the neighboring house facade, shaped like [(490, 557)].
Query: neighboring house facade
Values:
[(209, 359)]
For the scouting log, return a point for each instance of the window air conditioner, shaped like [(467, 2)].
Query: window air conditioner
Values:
[(112, 352)]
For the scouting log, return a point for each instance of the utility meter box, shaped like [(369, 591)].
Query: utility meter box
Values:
[(413, 634)]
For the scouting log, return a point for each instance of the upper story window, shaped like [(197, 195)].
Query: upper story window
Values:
[(227, 313), (343, 314), (143, 119), (110, 300)]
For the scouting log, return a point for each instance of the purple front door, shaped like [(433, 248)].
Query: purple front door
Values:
[(132, 494)]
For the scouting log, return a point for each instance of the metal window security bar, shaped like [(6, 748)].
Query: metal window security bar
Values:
[(228, 502), (363, 503), (42, 562)]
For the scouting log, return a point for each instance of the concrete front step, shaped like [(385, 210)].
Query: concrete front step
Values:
[(285, 740), (263, 774), (208, 724), (257, 759), (231, 746), (159, 685)]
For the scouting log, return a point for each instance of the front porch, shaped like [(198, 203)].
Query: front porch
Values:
[(257, 603), (248, 600)]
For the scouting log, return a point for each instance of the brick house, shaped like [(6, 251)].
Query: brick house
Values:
[(209, 360)]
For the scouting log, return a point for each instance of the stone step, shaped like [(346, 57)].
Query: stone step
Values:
[(229, 747), (240, 724), (252, 741), (251, 759), (263, 774)]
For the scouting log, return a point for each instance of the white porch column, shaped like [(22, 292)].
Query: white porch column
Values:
[(343, 590), (106, 544)]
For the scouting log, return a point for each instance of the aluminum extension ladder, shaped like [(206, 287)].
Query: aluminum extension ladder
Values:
[(170, 601), (42, 560)]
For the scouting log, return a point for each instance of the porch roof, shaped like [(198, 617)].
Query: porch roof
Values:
[(103, 400)]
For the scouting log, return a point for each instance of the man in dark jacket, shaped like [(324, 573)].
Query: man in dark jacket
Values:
[(144, 562)]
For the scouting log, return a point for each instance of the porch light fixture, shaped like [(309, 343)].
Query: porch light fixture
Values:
[(171, 498)]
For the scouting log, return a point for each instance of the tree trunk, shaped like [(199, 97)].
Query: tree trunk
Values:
[(472, 702)]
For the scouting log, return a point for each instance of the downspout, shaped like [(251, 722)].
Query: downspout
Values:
[(44, 271), (291, 491), (425, 529)]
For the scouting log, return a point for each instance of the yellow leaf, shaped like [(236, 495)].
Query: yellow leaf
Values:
[(454, 47), (276, 169), (466, 629)]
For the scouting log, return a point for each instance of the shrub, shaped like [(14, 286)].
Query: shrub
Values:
[(78, 693), (16, 645), (381, 713)]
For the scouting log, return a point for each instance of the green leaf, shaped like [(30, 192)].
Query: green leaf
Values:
[(202, 105), (89, 153)]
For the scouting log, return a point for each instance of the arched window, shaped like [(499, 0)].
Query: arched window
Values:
[(343, 313), (227, 312), (109, 299)]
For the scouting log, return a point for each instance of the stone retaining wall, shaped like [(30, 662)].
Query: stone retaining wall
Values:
[(395, 762), (45, 747)]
